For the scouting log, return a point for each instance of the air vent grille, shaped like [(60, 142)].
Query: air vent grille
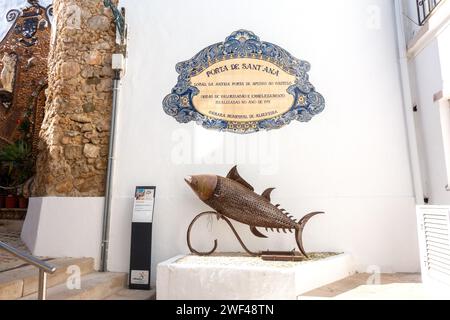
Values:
[(436, 228)]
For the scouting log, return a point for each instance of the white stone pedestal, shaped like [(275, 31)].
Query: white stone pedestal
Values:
[(246, 278), (60, 227)]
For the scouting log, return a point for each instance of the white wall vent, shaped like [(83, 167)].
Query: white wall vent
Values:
[(434, 233)]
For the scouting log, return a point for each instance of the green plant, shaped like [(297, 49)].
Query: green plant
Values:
[(16, 164)]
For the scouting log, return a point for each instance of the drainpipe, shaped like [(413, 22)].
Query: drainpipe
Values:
[(117, 65), (408, 105)]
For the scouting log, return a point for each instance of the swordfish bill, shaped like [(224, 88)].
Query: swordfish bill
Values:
[(235, 198)]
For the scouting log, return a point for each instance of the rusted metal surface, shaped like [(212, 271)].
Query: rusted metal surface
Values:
[(255, 254), (282, 257), (234, 198)]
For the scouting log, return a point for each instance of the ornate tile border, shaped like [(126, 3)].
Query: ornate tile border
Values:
[(244, 44)]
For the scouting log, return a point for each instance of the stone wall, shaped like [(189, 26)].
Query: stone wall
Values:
[(74, 138)]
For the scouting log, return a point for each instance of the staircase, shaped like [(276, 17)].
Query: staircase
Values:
[(22, 283)]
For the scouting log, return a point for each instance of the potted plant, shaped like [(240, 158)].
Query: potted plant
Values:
[(4, 185), (16, 167), (11, 201), (22, 202), (2, 199), (22, 196)]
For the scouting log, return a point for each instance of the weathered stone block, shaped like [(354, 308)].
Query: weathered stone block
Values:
[(87, 127), (101, 164), (81, 118), (95, 140), (94, 58), (73, 152), (69, 69), (72, 133), (105, 85), (73, 16), (93, 80), (64, 187), (99, 23), (88, 107), (87, 72), (103, 125), (65, 140), (91, 151), (102, 45), (88, 185)]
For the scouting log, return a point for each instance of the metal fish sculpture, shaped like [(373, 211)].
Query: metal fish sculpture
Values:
[(235, 198)]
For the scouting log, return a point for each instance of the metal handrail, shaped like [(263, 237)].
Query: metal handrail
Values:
[(44, 267)]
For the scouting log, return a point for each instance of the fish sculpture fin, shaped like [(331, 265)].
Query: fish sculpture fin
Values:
[(266, 194), (303, 221), (234, 175), (287, 214), (257, 233), (299, 231)]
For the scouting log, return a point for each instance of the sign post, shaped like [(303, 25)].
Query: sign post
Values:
[(141, 238)]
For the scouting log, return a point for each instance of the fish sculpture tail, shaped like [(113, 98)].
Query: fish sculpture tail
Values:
[(299, 231)]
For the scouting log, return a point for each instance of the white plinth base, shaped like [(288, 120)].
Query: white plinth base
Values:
[(64, 227), (246, 278)]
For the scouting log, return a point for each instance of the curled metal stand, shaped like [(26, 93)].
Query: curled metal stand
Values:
[(254, 254)]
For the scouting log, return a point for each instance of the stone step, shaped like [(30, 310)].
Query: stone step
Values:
[(8, 225), (127, 294), (94, 286), (23, 281), (13, 214), (339, 289)]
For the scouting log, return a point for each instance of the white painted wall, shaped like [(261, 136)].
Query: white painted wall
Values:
[(429, 59), (351, 161), (410, 18), (64, 227), (429, 70), (429, 82)]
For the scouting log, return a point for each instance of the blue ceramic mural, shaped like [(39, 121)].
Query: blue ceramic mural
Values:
[(307, 102)]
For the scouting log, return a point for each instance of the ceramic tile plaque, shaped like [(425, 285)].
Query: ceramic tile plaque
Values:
[(243, 85)]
